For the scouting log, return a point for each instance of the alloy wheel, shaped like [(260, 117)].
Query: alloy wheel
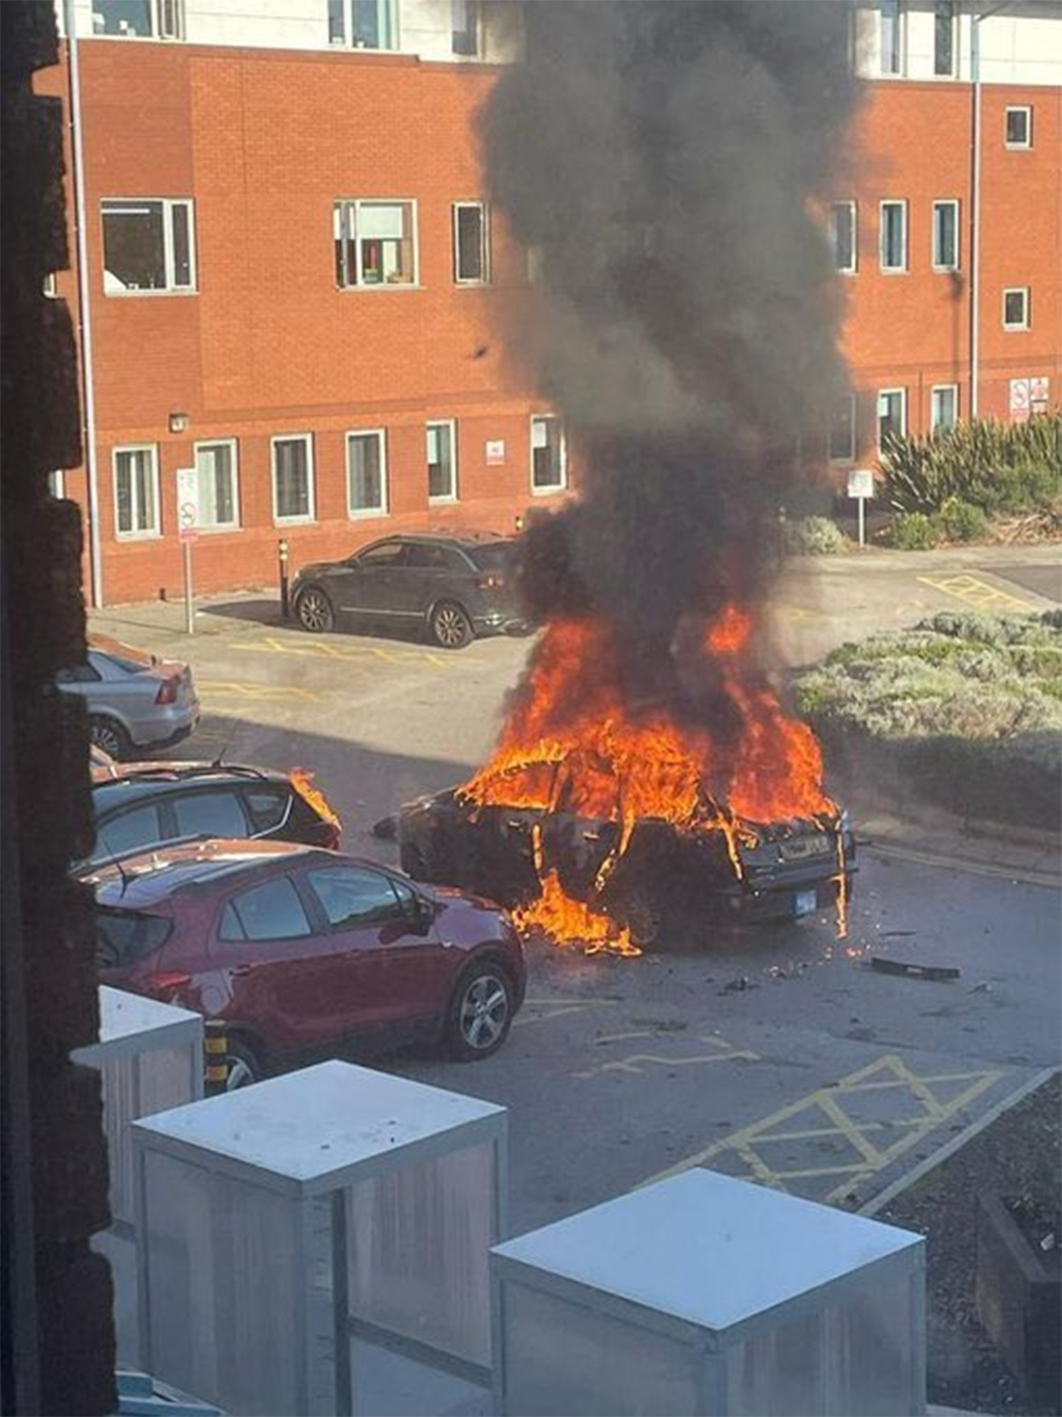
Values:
[(484, 1012), (450, 626), (315, 613)]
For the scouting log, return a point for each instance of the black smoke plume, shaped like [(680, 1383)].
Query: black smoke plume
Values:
[(661, 159)]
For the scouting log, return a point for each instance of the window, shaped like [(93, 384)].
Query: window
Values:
[(216, 466), (148, 246), (351, 896), (894, 236), (366, 474), (136, 491), (171, 19), (293, 478), (127, 832), (945, 236), (365, 24), (442, 461), (944, 411), (272, 911), (216, 813), (49, 286), (1018, 128), (1016, 308), (891, 37), (139, 19), (374, 243), (944, 37), (124, 936), (268, 807), (536, 264), (548, 454), (471, 244), (892, 413), (843, 236), (842, 430), (56, 484), (464, 26), (382, 555)]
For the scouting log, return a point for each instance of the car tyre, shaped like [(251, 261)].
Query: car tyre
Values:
[(244, 1065), (481, 1012), (314, 611), (109, 735), (638, 910), (450, 626)]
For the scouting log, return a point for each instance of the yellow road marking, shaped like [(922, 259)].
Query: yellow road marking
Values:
[(638, 1062), (321, 649), (259, 691), (543, 1010), (828, 1104), (976, 592)]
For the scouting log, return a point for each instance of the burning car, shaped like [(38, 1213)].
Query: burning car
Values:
[(607, 829)]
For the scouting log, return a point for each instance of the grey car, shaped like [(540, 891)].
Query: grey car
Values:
[(136, 701)]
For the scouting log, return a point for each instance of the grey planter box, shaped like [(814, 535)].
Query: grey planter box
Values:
[(706, 1295), (301, 1237), (1018, 1301)]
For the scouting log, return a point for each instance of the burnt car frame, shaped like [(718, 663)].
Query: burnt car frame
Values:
[(713, 870)]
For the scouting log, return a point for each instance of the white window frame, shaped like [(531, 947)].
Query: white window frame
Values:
[(554, 487), (234, 446), (934, 422), (453, 495), (339, 207), (901, 43), (311, 499), (169, 289), (954, 21), (368, 513), (154, 531), (1025, 108), (903, 411), (484, 211), (57, 483), (852, 269), (167, 23), (50, 286), (903, 267), (848, 457), (347, 39), (1025, 293), (937, 265)]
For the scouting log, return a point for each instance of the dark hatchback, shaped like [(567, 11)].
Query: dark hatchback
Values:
[(451, 587), (299, 950), (138, 805)]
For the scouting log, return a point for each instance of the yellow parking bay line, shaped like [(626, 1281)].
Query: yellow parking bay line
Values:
[(829, 1119), (270, 693), (323, 649), (971, 590)]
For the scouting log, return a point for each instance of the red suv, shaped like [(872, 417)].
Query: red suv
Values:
[(298, 949)]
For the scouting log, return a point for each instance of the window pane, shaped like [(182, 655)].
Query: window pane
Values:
[(352, 897), (127, 831), (123, 491), (123, 936), (842, 431), (944, 15), (890, 36), (143, 492), (1014, 307), (1017, 127), (893, 254), (843, 235), (388, 554), (126, 17), (217, 488), (337, 30), (210, 814), (440, 461), (372, 24), (133, 247), (266, 808), (547, 469), (470, 244), (385, 244), (365, 472), (890, 414), (944, 408), (464, 26), (291, 475), (272, 911), (182, 247), (945, 233)]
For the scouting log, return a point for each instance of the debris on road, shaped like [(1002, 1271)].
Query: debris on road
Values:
[(386, 829), (739, 985), (913, 971)]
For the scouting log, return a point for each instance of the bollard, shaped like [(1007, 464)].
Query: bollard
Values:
[(282, 557), (216, 1051)]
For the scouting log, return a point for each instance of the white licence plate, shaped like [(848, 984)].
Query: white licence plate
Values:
[(806, 902)]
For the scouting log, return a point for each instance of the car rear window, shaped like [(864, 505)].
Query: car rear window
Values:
[(266, 806), (216, 813), (126, 831), (497, 557), (128, 661), (124, 936)]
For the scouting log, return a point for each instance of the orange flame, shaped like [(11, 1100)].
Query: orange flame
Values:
[(302, 781), (571, 744)]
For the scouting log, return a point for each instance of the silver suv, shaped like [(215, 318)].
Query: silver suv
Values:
[(136, 701)]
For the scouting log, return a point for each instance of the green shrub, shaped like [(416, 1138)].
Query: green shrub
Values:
[(961, 521), (814, 536), (914, 531)]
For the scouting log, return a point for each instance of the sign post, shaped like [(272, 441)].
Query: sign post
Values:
[(861, 487), (187, 524)]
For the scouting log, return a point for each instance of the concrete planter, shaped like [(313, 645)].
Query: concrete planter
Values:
[(1018, 1301)]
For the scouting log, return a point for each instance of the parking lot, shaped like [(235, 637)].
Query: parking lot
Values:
[(781, 1054)]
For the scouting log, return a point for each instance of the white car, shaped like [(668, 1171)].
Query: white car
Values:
[(136, 701)]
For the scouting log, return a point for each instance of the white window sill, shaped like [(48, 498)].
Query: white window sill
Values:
[(846, 270), (1016, 329), (946, 270), (550, 491), (472, 284), (893, 270), (366, 515), (218, 530), (446, 501), (1018, 147), (138, 535), (146, 294), (294, 521), (381, 285)]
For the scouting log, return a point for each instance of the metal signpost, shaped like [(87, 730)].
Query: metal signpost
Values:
[(861, 487), (187, 524)]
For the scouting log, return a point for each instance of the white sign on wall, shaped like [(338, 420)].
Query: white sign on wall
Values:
[(495, 452), (1019, 400), (1039, 392), (187, 503)]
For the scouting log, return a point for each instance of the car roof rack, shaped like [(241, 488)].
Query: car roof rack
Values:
[(174, 770)]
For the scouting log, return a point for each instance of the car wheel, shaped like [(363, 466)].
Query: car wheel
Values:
[(450, 626), (111, 737), (481, 1012), (314, 611), (244, 1066), (638, 910)]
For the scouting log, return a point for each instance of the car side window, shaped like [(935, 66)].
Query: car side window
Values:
[(78, 674), (389, 553), (216, 813), (267, 807), (127, 830), (351, 896), (271, 911), (425, 557)]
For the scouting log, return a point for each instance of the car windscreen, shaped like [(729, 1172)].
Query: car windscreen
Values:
[(492, 557), (124, 936)]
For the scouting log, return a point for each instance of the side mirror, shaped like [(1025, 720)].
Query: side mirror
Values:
[(420, 912)]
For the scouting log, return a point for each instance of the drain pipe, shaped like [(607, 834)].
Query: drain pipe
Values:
[(975, 203), (88, 397)]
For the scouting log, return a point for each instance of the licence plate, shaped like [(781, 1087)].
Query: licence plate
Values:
[(806, 901)]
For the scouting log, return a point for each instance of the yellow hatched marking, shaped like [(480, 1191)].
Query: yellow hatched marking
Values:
[(269, 692), (976, 592), (639, 1062), (827, 1104), (322, 649)]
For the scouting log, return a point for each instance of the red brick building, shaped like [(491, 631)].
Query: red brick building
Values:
[(286, 243)]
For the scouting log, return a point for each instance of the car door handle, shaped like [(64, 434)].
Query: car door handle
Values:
[(239, 970)]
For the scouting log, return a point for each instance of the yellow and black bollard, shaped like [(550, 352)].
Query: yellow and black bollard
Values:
[(282, 558), (216, 1051)]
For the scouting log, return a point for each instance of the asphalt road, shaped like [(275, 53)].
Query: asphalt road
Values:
[(780, 1055)]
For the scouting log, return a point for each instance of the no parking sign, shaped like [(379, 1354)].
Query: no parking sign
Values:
[(187, 503)]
